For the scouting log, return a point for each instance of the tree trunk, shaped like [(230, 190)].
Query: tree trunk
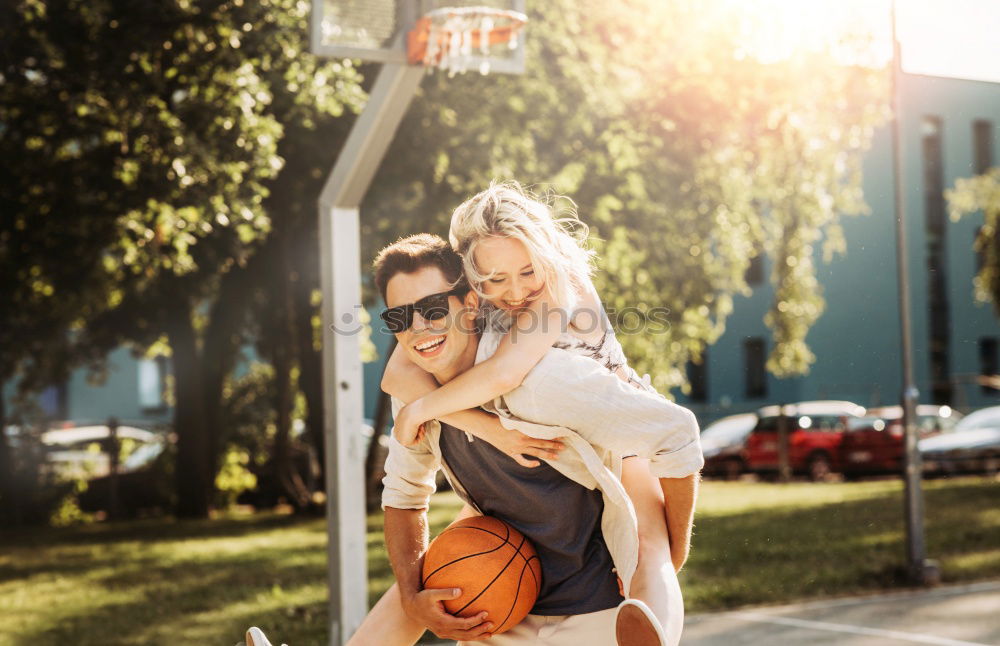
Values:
[(311, 385), (9, 511), (309, 357), (284, 460), (283, 358), (382, 417), (223, 338), (194, 481)]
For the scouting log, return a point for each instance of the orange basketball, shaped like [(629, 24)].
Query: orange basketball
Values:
[(495, 566)]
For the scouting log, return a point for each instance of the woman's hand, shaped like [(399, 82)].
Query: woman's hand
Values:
[(408, 427), (517, 445)]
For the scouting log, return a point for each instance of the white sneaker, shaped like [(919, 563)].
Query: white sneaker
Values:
[(636, 625), (256, 637)]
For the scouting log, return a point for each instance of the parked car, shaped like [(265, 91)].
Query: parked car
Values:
[(83, 451), (972, 447), (815, 431), (72, 451), (723, 444), (874, 444), (145, 482)]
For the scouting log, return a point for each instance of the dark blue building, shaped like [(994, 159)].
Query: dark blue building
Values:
[(949, 131)]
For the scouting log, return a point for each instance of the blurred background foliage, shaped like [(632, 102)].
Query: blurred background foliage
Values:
[(153, 189), (685, 154), (161, 193), (981, 194)]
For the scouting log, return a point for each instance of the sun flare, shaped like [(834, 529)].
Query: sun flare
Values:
[(852, 31), (938, 37)]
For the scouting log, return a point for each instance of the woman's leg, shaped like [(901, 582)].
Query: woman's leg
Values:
[(387, 624), (655, 581)]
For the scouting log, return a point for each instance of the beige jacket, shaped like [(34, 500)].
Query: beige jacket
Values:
[(600, 418)]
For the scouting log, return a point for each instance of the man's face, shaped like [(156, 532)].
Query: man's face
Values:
[(434, 346)]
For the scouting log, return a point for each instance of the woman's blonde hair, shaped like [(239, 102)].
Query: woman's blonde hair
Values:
[(556, 245)]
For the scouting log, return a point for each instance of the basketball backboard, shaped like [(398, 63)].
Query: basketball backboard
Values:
[(376, 30)]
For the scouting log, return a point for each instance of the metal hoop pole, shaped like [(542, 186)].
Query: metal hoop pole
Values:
[(340, 263)]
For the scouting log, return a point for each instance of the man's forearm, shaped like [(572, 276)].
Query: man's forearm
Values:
[(679, 496), (406, 537), (406, 542)]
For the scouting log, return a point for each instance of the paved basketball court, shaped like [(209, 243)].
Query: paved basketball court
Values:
[(967, 615)]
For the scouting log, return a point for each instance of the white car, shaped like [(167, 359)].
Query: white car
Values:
[(82, 451), (973, 447), (722, 444)]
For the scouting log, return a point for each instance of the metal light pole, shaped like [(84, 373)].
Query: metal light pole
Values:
[(784, 468), (921, 570), (114, 453)]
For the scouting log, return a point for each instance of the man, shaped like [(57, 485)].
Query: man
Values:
[(573, 509)]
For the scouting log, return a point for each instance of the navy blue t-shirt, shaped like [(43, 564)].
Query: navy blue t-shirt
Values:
[(561, 518)]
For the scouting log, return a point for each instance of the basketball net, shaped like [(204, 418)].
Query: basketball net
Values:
[(451, 37)]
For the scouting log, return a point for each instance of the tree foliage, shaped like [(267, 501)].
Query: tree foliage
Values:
[(685, 154), (140, 143), (160, 162), (972, 195)]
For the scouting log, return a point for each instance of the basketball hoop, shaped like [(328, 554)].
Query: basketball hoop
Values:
[(489, 37), (451, 38)]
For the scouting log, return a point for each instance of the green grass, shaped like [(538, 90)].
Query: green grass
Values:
[(167, 582), (765, 543)]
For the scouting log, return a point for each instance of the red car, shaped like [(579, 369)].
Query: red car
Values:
[(874, 444), (815, 432)]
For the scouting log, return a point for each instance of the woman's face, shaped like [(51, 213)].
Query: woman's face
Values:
[(514, 283)]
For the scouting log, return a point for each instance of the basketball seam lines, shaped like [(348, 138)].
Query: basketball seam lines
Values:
[(518, 593), (480, 529), (517, 550), (505, 540), (527, 562), (461, 558)]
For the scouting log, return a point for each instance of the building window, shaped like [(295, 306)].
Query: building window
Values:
[(982, 145), (989, 362), (755, 271), (754, 358), (936, 225), (697, 374), (54, 401), (152, 379)]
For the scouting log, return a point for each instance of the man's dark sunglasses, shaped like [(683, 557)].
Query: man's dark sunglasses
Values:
[(433, 307)]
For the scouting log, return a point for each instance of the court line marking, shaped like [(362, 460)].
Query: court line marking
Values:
[(888, 597), (855, 630), (866, 599)]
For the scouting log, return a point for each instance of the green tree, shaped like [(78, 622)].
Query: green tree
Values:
[(685, 154), (982, 194), (50, 258), (175, 132)]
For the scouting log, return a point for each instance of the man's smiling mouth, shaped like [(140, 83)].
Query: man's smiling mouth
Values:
[(430, 347)]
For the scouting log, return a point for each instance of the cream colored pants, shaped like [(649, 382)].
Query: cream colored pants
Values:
[(591, 629)]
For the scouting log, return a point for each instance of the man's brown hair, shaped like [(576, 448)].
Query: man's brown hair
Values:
[(415, 252)]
